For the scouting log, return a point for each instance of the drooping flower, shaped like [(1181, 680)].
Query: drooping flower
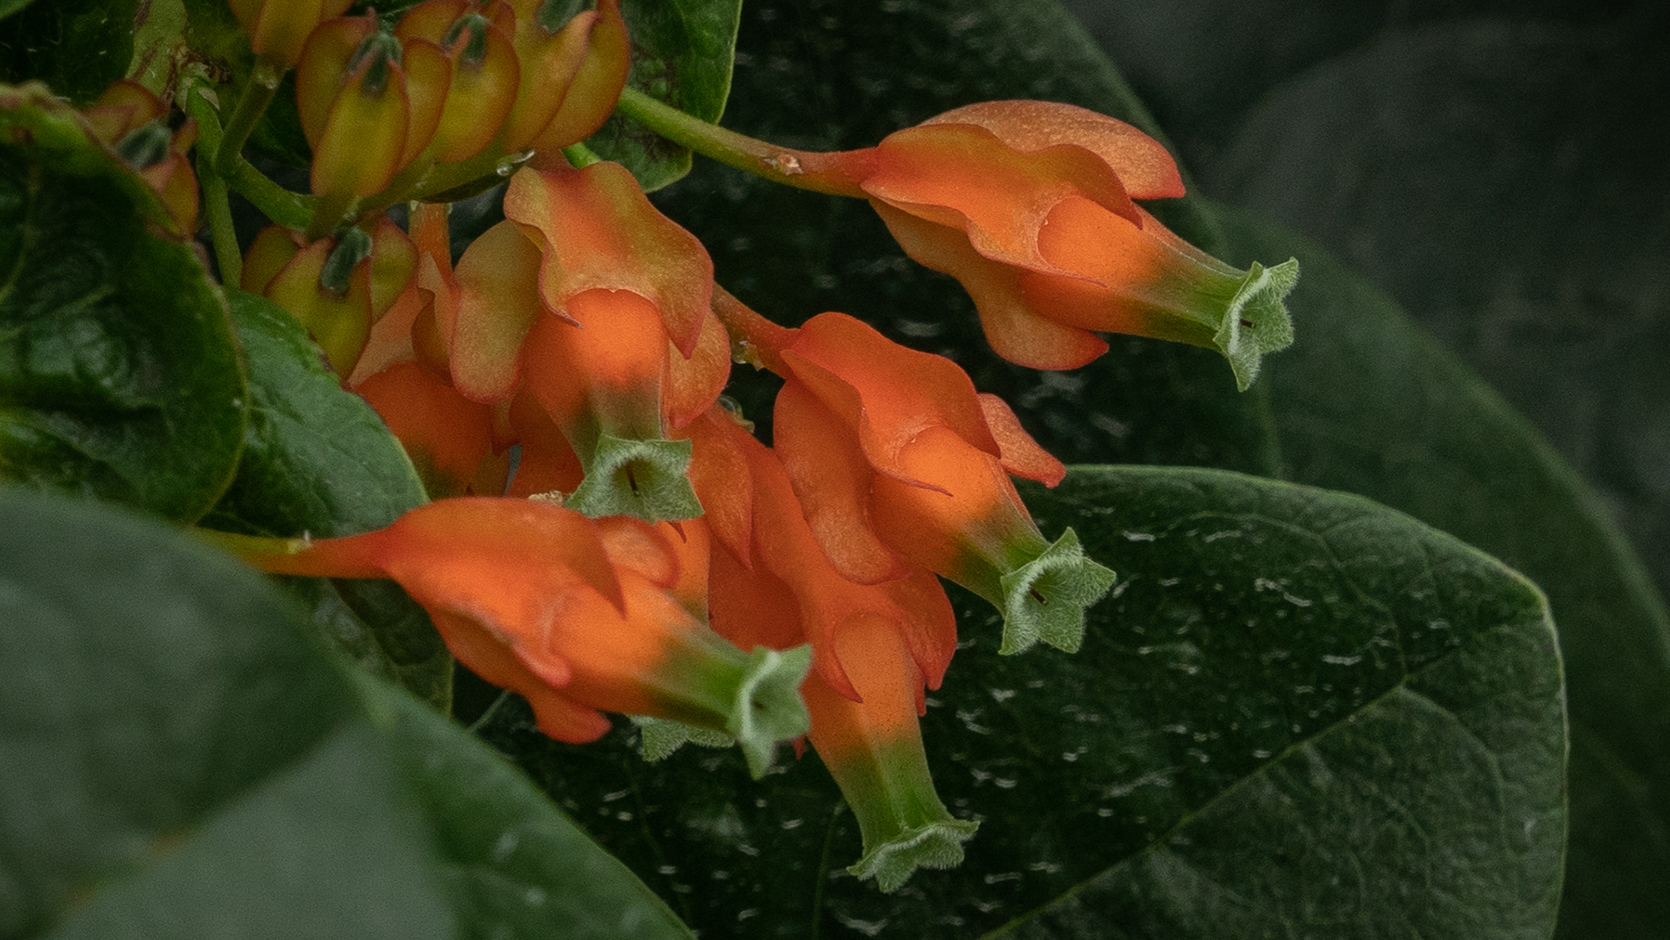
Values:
[(1028, 204), (899, 463), (875, 649), (598, 307), (578, 616)]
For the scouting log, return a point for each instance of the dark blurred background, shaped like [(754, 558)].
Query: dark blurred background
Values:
[(1500, 167)]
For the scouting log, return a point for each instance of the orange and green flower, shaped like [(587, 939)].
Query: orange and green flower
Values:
[(578, 616)]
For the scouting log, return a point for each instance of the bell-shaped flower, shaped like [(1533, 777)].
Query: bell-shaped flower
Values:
[(369, 105), (1028, 204), (278, 29), (132, 121), (899, 463), (337, 287), (598, 307), (579, 617), (875, 649)]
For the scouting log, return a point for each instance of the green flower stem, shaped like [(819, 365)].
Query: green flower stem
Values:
[(258, 93), (215, 203), (439, 179), (291, 210), (819, 172), (580, 156)]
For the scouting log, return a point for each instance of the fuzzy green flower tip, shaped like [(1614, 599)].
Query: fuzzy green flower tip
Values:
[(660, 737), (1256, 321), (645, 479), (768, 708), (1044, 600), (937, 844)]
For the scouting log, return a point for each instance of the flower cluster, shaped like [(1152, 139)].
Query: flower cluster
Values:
[(453, 84), (647, 555)]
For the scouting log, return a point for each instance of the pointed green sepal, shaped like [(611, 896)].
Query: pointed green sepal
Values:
[(1256, 320), (768, 708), (645, 479), (660, 737), (1044, 600), (937, 844)]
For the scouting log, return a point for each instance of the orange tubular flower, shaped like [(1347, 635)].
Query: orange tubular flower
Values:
[(579, 617), (875, 647), (599, 306), (1028, 204), (897, 460)]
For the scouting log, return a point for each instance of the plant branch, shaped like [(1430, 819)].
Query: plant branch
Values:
[(834, 173), (215, 202), (258, 93)]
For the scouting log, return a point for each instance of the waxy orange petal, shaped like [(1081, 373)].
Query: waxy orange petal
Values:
[(963, 177), (691, 385), (966, 531), (1145, 168), (548, 463), (447, 435), (600, 231), (498, 302), (832, 480), (899, 391), (602, 375), (1012, 327), (720, 476), (1020, 455)]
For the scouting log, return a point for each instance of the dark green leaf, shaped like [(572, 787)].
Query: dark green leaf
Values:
[(1298, 714), (182, 760), (318, 460), (682, 54), (8, 7), (1373, 404), (119, 376), (79, 47), (1523, 221), (516, 866)]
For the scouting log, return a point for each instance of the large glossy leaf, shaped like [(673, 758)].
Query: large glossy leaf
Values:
[(1299, 714), (1523, 223), (119, 376), (76, 46), (1390, 397), (1375, 405), (318, 460), (181, 759), (682, 52)]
